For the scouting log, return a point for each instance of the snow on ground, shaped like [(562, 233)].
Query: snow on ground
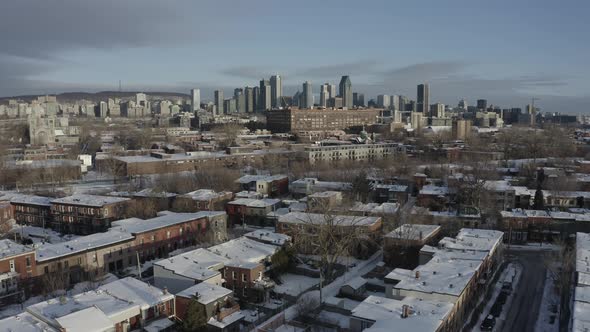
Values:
[(497, 288), (334, 318), (79, 288), (288, 328), (251, 316), (332, 289), (295, 284), (549, 303)]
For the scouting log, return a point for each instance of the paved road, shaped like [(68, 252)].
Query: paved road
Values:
[(524, 310)]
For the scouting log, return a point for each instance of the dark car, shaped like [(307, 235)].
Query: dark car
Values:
[(502, 298), (488, 323), (496, 309)]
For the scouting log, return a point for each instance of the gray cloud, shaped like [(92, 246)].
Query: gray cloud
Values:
[(336, 70), (247, 72)]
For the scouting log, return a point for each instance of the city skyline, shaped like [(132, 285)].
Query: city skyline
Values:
[(466, 59)]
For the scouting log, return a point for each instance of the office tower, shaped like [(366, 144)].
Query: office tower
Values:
[(383, 101), (332, 91), (307, 96), (397, 116), (276, 90), (437, 110), (394, 104), (256, 98), (103, 109), (265, 95), (240, 100), (324, 95), (482, 104), (218, 96), (346, 91), (411, 106), (195, 99), (358, 99), (417, 120), (423, 99), (141, 99), (164, 107), (462, 104), (230, 106), (249, 95), (403, 101)]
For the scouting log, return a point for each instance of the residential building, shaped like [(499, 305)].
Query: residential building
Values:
[(195, 100), (308, 186), (203, 200), (17, 270), (383, 101), (307, 96), (86, 214), (401, 247), (267, 185), (30, 209), (265, 96), (251, 211), (329, 153)]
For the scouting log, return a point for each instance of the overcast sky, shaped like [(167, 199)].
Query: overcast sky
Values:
[(504, 51)]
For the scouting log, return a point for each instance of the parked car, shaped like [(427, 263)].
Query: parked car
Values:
[(496, 309), (488, 323), (502, 297)]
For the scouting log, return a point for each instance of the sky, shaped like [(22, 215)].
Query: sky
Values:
[(503, 51)]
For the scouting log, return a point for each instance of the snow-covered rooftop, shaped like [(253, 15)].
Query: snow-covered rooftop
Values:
[(205, 292), (387, 314), (205, 194), (10, 248), (90, 242), (473, 239), (413, 232), (28, 199), (267, 236), (89, 319), (433, 190), (318, 219), (24, 322), (136, 291), (255, 178), (256, 203), (164, 219), (376, 208), (89, 200)]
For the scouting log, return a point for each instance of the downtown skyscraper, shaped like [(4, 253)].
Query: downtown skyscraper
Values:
[(423, 99), (276, 90), (265, 96), (195, 99), (324, 94), (219, 105), (307, 99), (346, 92)]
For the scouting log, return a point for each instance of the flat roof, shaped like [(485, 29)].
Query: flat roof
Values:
[(89, 200), (255, 203), (205, 194), (205, 292), (30, 199), (24, 322), (47, 252), (90, 319), (164, 219), (473, 239), (10, 248), (387, 314), (413, 232), (254, 178), (316, 219), (136, 291), (268, 236)]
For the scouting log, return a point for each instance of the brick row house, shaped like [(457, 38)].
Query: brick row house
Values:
[(17, 268), (86, 214), (117, 249)]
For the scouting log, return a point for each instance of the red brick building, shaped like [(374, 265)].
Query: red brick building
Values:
[(86, 214), (17, 268)]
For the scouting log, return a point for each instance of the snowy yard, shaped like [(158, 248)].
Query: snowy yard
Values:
[(334, 318), (295, 284)]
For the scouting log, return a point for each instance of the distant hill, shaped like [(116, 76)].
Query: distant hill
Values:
[(98, 96)]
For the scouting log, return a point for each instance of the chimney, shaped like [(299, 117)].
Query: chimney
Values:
[(165, 290), (417, 274), (405, 311)]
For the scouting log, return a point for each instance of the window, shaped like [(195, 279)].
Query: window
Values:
[(12, 265), (243, 277), (46, 270), (180, 230), (233, 275), (94, 257), (153, 238), (28, 261), (167, 234), (66, 264), (79, 260)]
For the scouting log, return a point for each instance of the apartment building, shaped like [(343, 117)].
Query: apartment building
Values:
[(363, 152), (17, 268)]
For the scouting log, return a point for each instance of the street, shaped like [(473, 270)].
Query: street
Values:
[(524, 310)]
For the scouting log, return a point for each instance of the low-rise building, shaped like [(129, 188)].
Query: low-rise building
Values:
[(267, 185), (252, 211), (401, 247), (362, 152), (308, 186), (30, 209), (203, 200), (324, 201), (86, 214), (123, 305), (17, 269)]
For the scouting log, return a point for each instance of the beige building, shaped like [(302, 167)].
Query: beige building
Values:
[(352, 152)]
